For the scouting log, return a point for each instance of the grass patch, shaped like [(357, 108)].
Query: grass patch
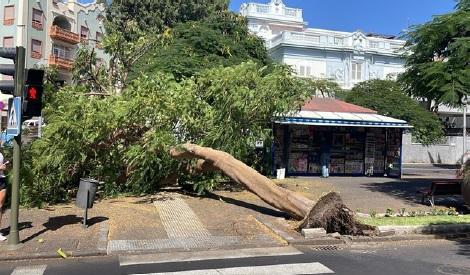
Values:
[(422, 220)]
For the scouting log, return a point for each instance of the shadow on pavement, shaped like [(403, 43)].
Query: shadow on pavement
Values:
[(55, 223), (21, 226), (407, 190), (464, 247), (260, 209)]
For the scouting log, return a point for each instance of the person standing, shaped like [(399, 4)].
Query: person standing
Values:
[(3, 190), (325, 158)]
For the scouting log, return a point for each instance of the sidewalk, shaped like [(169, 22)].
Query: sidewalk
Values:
[(176, 221), (167, 222), (43, 232)]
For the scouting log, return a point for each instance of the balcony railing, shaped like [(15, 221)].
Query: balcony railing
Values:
[(270, 11), (64, 35), (60, 62), (37, 25), (36, 55), (326, 40), (8, 22)]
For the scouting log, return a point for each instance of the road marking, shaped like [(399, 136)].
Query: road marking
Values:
[(29, 270), (282, 269), (207, 255), (179, 219)]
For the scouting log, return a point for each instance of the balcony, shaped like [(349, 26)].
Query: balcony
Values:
[(37, 25), (8, 22), (36, 55), (60, 62), (64, 35), (272, 11)]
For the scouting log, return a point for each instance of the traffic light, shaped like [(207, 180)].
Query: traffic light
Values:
[(8, 86), (33, 90)]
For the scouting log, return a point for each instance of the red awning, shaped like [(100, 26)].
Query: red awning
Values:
[(334, 105)]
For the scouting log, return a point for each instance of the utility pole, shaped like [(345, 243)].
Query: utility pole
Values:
[(13, 237)]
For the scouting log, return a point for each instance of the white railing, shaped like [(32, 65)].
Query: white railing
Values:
[(270, 11), (325, 40)]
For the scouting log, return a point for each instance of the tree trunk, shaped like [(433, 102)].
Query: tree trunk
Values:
[(329, 213)]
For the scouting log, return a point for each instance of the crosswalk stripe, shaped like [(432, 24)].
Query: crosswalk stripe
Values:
[(29, 270), (207, 255), (282, 269)]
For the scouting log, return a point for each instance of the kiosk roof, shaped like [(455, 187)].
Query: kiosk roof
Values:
[(333, 112)]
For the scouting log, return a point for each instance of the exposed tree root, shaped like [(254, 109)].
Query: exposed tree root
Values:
[(331, 214)]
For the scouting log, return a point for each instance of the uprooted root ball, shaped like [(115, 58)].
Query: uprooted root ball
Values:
[(331, 214)]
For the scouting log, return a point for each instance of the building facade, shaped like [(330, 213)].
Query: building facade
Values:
[(345, 57), (54, 31)]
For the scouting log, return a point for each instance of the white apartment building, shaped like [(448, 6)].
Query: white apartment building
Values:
[(347, 58)]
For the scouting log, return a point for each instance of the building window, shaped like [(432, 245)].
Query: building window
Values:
[(9, 15), (356, 70), (338, 41), (61, 52), (374, 44), (37, 19), (308, 71), (84, 32), (36, 49), (8, 42), (99, 38), (262, 9), (302, 70)]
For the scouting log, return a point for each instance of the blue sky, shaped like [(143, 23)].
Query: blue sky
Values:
[(379, 16)]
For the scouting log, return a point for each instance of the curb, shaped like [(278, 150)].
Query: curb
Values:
[(101, 250), (37, 256), (386, 234), (426, 229), (280, 233)]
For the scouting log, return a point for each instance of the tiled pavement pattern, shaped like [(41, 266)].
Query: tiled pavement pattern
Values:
[(185, 232), (179, 219)]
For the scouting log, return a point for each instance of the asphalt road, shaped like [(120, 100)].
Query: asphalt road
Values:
[(430, 257)]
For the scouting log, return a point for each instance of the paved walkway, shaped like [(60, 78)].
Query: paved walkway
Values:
[(167, 222), (171, 222), (366, 194)]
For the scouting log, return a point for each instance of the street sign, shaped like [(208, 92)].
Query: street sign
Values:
[(14, 117)]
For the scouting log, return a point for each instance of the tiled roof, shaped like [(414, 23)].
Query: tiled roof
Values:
[(334, 105)]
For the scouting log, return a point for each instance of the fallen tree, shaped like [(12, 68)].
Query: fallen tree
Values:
[(329, 212)]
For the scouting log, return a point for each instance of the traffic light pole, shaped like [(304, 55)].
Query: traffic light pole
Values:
[(13, 237)]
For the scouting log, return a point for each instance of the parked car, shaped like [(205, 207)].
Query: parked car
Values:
[(32, 123)]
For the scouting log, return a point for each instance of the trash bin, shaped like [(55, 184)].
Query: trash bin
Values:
[(86, 193)]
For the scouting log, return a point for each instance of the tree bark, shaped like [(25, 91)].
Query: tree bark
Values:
[(329, 213)]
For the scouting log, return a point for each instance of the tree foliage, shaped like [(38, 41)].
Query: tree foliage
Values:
[(387, 98), (132, 28), (124, 139), (88, 72), (222, 39), (438, 68)]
